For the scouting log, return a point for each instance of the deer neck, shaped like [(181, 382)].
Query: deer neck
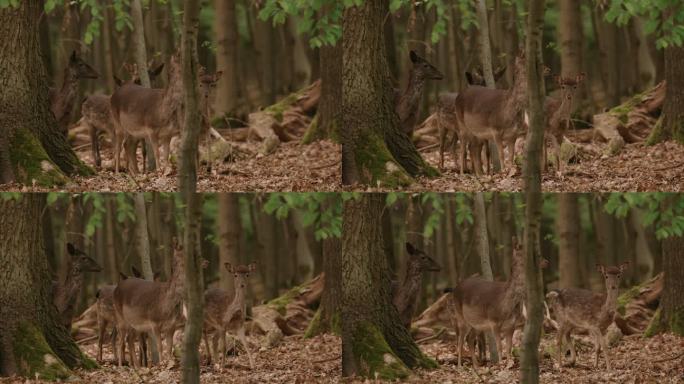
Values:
[(516, 97), (70, 287), (411, 284), (173, 94), (414, 90), (610, 305), (237, 305)]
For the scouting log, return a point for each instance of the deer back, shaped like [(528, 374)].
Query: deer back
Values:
[(483, 303), (216, 302), (143, 304), (105, 303), (580, 308), (95, 110)]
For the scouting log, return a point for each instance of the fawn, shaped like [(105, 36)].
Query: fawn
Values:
[(62, 100), (558, 116), (150, 306), (407, 104), (66, 292), (224, 312), (583, 309), (405, 296)]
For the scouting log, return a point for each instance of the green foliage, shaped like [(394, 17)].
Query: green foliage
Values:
[(124, 208), (9, 3), (663, 211), (665, 18), (98, 212), (320, 210)]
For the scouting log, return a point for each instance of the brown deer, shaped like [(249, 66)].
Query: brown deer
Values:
[(151, 307), (493, 114), (582, 309), (154, 114), (407, 104), (62, 100), (223, 313), (558, 113), (495, 306), (405, 296), (97, 116), (66, 292), (447, 122)]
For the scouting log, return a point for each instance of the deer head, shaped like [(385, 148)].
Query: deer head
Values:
[(80, 262), (424, 262), (611, 275), (423, 69), (569, 85), (240, 274), (208, 82), (79, 69)]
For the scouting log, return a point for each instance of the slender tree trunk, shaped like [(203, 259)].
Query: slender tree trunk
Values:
[(194, 281), (30, 150), (328, 120), (568, 247), (30, 329), (529, 365), (570, 36), (225, 25), (143, 240), (374, 342), (328, 317), (229, 226), (375, 151), (671, 123)]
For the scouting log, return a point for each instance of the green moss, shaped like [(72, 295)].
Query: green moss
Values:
[(35, 358), (626, 297), (655, 326), (658, 133), (314, 132), (677, 321), (317, 326), (376, 164), (375, 358), (278, 109), (280, 303), (31, 164)]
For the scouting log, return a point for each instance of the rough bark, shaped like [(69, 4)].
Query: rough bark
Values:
[(142, 236), (529, 365), (327, 318), (375, 150), (672, 305), (568, 247), (33, 342), (229, 227), (671, 124), (30, 151), (374, 343), (225, 26), (327, 122)]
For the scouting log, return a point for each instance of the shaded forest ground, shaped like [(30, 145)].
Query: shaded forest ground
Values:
[(638, 167), (292, 167), (317, 360)]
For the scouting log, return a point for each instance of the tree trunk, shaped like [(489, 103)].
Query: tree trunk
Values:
[(485, 46), (529, 365), (328, 316), (568, 247), (30, 150), (30, 329), (327, 122), (672, 305), (375, 151), (187, 180), (570, 38), (143, 240), (671, 124), (225, 25), (229, 227), (374, 342)]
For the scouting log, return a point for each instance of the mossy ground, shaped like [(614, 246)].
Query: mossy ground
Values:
[(34, 356), (280, 303), (316, 326), (31, 163), (375, 357), (376, 164)]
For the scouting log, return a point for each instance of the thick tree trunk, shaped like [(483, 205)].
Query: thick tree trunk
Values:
[(375, 151), (529, 365), (30, 329), (229, 227), (187, 180), (374, 342), (568, 248), (225, 26), (30, 150), (671, 124), (672, 304)]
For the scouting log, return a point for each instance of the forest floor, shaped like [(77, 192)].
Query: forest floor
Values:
[(292, 167), (637, 168), (317, 360)]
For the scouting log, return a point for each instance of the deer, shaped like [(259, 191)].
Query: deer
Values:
[(558, 113), (62, 99), (150, 113), (495, 306), (582, 309), (447, 121), (405, 296), (224, 312), (493, 114), (407, 103), (66, 291), (150, 307), (97, 115)]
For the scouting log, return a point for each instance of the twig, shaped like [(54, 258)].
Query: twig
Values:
[(669, 358), (436, 335), (87, 339), (425, 148), (325, 165), (327, 359)]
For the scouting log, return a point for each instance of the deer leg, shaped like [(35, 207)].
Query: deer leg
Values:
[(604, 346), (221, 338), (442, 141), (206, 345), (101, 328), (476, 156), (500, 151), (122, 346), (131, 350), (559, 341)]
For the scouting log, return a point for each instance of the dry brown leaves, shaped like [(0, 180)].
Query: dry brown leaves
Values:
[(317, 360), (292, 167)]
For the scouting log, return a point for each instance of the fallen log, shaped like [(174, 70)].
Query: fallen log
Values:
[(637, 306)]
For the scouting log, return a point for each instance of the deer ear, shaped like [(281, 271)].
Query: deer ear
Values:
[(580, 77), (410, 248), (217, 75), (252, 267), (414, 56), (71, 249), (73, 56), (558, 80), (229, 267), (122, 276), (600, 268), (623, 266), (135, 271)]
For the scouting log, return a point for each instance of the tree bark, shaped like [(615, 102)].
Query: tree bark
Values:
[(568, 232), (143, 239), (229, 227), (328, 317), (529, 365), (225, 26), (328, 119), (30, 150), (30, 329), (374, 342), (671, 124), (672, 306), (374, 149), (570, 38)]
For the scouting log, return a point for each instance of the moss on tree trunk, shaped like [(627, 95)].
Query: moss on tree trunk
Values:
[(29, 162), (34, 357)]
